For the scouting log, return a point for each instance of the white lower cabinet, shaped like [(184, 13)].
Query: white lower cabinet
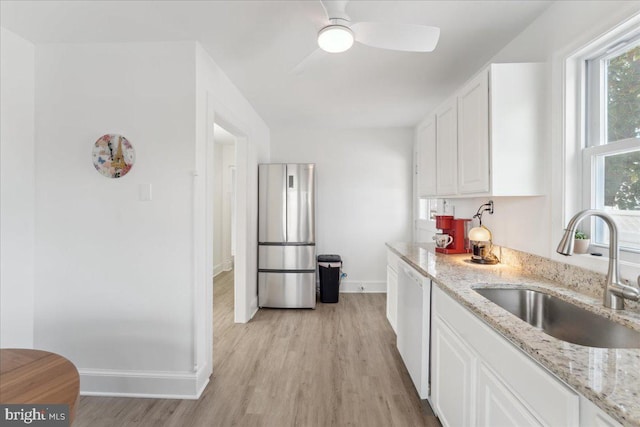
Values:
[(480, 379), (496, 405), (592, 416), (452, 374)]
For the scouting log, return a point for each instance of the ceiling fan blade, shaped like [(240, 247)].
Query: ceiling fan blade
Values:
[(311, 59), (404, 37), (336, 9)]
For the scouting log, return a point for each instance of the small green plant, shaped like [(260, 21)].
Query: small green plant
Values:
[(581, 235)]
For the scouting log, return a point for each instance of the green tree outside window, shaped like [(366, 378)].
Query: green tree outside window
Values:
[(622, 171)]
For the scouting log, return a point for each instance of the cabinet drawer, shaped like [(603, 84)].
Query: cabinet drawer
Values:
[(286, 257), (549, 399)]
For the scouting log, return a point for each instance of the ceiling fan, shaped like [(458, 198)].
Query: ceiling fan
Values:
[(341, 33)]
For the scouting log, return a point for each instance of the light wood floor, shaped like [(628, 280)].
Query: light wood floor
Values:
[(333, 366)]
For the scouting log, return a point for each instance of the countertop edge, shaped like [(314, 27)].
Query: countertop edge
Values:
[(613, 408)]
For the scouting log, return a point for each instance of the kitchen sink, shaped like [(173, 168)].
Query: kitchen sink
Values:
[(561, 319)]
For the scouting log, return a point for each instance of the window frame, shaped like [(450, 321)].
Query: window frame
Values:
[(589, 169), (596, 83), (586, 90)]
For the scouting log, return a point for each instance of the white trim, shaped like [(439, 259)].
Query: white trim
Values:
[(242, 223), (148, 384), (222, 267), (202, 379), (568, 117), (217, 269), (356, 287), (208, 228), (255, 310)]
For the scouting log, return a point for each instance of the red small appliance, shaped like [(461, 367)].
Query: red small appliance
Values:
[(457, 229)]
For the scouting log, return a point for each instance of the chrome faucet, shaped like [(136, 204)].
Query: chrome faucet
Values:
[(615, 292)]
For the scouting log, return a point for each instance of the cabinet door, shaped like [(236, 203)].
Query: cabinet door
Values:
[(592, 416), (497, 405), (473, 136), (452, 377), (392, 297), (447, 149), (426, 147)]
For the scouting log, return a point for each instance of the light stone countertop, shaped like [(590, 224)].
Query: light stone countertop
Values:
[(610, 378)]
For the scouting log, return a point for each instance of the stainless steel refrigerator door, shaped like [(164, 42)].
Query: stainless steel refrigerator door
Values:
[(272, 257), (272, 203), (287, 290), (300, 203)]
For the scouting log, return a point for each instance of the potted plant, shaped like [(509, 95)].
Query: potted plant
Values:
[(581, 243)]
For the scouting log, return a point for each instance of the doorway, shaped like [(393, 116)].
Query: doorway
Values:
[(235, 253), (224, 199), (224, 232)]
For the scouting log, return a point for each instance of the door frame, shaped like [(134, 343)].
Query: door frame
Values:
[(204, 227)]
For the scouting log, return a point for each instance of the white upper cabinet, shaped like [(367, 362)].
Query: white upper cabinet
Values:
[(473, 136), (490, 137), (426, 148), (447, 149), (518, 129)]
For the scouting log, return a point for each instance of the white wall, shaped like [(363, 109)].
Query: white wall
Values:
[(364, 179), (17, 190), (217, 99), (123, 286), (228, 164), (224, 159), (534, 224), (218, 198), (114, 274)]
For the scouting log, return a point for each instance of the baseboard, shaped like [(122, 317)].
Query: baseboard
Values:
[(354, 286), (217, 269), (202, 380), (221, 268), (254, 303), (158, 385)]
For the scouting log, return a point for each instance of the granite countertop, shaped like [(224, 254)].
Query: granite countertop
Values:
[(610, 378)]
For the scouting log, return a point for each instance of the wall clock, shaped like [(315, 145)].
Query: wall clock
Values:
[(113, 155)]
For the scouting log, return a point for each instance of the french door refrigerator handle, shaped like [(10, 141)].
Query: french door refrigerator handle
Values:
[(285, 199)]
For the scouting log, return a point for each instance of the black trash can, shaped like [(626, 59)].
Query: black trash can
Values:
[(330, 269)]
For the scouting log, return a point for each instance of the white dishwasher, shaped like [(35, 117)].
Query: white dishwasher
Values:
[(414, 304)]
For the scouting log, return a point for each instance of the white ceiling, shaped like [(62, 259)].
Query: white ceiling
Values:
[(258, 43)]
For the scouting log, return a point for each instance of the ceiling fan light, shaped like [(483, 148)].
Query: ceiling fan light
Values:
[(335, 38)]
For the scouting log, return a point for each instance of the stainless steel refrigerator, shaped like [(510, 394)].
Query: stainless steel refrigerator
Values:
[(286, 236)]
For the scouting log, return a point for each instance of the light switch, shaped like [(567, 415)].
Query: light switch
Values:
[(145, 192)]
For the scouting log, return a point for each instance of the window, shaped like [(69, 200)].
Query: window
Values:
[(425, 219), (611, 154), (427, 208)]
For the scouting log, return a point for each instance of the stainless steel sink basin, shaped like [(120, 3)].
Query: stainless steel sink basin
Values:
[(562, 320)]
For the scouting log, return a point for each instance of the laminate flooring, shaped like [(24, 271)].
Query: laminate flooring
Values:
[(336, 365)]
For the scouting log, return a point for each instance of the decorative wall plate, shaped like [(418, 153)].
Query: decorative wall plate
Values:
[(113, 155)]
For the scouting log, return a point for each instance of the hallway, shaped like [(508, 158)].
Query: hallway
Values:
[(333, 366)]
